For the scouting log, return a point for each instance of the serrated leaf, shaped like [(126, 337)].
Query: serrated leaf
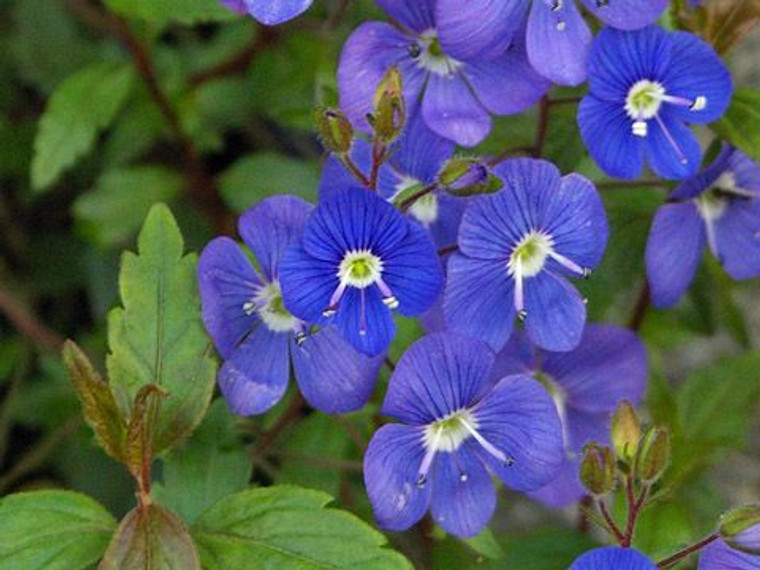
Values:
[(99, 406), (210, 466), (741, 123), (152, 538), (157, 336), (184, 11), (268, 525), (114, 209), (259, 176), (81, 106), (52, 530)]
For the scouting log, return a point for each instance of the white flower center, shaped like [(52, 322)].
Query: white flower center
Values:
[(267, 302), (425, 208), (528, 259), (644, 99), (529, 255), (426, 50), (360, 269), (447, 435)]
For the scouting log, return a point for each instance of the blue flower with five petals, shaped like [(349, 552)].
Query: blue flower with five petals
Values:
[(644, 86), (516, 247), (459, 426)]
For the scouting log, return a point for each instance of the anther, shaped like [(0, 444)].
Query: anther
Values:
[(522, 314), (463, 477), (249, 308), (510, 461), (300, 338), (602, 3), (586, 273), (556, 5), (329, 312), (390, 302), (415, 50), (699, 103), (639, 128), (421, 480), (561, 25)]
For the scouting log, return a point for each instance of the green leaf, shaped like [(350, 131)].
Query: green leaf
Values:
[(114, 209), (52, 530), (259, 176), (210, 466), (715, 404), (310, 446), (152, 538), (663, 528), (184, 11), (288, 527), (99, 406), (82, 106), (741, 123), (485, 544), (157, 336)]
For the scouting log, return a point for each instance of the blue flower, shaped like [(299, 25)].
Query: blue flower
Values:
[(269, 12), (458, 427), (359, 258), (613, 558), (644, 87), (516, 246), (587, 384), (557, 37), (257, 337), (458, 96), (415, 161), (719, 207), (720, 556)]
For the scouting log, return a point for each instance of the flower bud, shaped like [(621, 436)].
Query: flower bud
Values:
[(466, 177), (653, 454), (740, 529), (390, 108), (625, 432), (597, 471), (334, 130)]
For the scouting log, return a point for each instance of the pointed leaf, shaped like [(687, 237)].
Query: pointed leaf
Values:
[(269, 526), (52, 530), (153, 538), (157, 337), (81, 106), (214, 463)]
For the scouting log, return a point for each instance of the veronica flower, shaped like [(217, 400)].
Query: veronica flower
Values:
[(720, 556), (557, 37), (269, 12), (458, 427), (719, 207), (644, 87), (587, 384), (415, 161), (358, 260), (257, 337), (516, 247), (458, 95), (613, 558)]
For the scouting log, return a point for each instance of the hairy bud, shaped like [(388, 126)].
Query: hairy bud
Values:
[(740, 529), (653, 455), (390, 108), (597, 471), (334, 130), (625, 432), (466, 177)]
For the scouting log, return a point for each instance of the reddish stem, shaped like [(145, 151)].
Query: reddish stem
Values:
[(681, 554), (611, 522), (409, 202), (354, 169)]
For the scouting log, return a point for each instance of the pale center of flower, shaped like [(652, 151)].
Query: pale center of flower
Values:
[(712, 204), (427, 51), (425, 208), (643, 103), (559, 396), (644, 99), (360, 269), (267, 303), (528, 258), (447, 434), (529, 255)]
